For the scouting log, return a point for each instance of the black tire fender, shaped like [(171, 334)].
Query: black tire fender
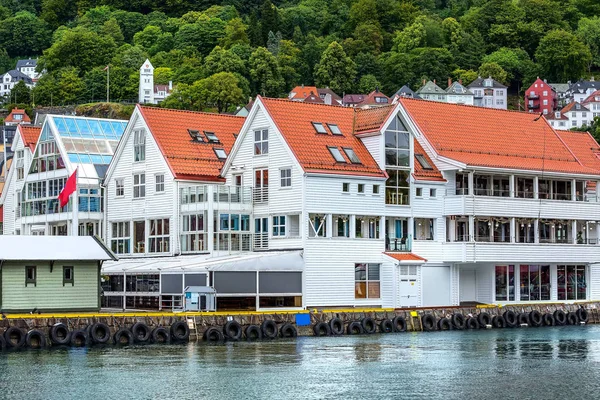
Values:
[(100, 333), (535, 318), (354, 328), (160, 334), (498, 321), (472, 323), (548, 319), (79, 338), (180, 331), (322, 329), (399, 323), (141, 332), (14, 337), (510, 318), (214, 335), (35, 339), (484, 319), (2, 343), (428, 322), (386, 326), (560, 318), (444, 324), (337, 326), (458, 320), (523, 318), (232, 330), (269, 329), (123, 337), (253, 332), (572, 318), (369, 325), (583, 315), (60, 334), (288, 331)]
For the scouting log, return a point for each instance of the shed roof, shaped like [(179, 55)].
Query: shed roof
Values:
[(53, 248), (30, 135)]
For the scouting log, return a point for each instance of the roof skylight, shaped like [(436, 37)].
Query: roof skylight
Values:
[(319, 127), (195, 135), (351, 155), (423, 161), (212, 138), (337, 155), (221, 154), (334, 129)]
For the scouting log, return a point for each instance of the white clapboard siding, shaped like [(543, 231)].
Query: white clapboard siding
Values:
[(12, 185), (485, 283), (594, 282), (375, 146), (324, 195)]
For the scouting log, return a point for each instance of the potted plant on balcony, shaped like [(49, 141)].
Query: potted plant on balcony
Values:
[(579, 237)]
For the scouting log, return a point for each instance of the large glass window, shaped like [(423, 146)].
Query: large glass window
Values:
[(341, 226), (159, 235), (462, 184), (397, 163), (505, 282), (572, 282), (139, 145), (366, 281), (121, 238), (424, 228), (534, 282), (525, 188), (317, 225), (193, 236)]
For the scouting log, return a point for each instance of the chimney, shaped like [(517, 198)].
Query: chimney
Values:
[(592, 79), (423, 82), (460, 81), (545, 80), (434, 82), (170, 85), (449, 82)]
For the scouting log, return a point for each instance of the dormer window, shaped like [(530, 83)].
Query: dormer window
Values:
[(351, 155), (195, 135), (334, 129), (337, 155), (381, 100), (212, 138), (319, 127), (423, 161), (221, 154)]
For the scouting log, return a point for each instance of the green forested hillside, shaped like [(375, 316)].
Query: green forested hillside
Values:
[(221, 52)]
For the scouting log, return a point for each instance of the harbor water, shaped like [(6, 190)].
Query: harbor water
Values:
[(527, 363)]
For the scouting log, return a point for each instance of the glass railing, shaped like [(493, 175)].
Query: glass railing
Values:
[(399, 244), (221, 194)]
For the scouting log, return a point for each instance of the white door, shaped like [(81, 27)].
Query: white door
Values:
[(436, 286), (468, 285), (408, 288)]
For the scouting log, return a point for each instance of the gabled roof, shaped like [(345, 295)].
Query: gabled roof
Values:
[(574, 106), (53, 248), (458, 88), (16, 111), (188, 158), (29, 134), (421, 173), (294, 122), (353, 98), (494, 138), (591, 97), (30, 62), (560, 87), (582, 86), (302, 92), (325, 91), (406, 91), (313, 98), (17, 75), (583, 145), (478, 83), (430, 88), (375, 98), (372, 119)]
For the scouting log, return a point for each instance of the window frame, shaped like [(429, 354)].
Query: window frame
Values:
[(220, 150), (351, 154), (335, 151), (28, 280), (361, 188), (285, 182), (139, 186), (367, 281), (261, 144), (335, 131), (318, 125), (139, 145), (278, 225), (123, 236), (159, 187), (423, 162), (119, 187), (71, 280), (376, 189), (345, 187), (159, 237), (211, 137)]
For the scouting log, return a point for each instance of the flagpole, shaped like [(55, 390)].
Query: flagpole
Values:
[(75, 223), (108, 83)]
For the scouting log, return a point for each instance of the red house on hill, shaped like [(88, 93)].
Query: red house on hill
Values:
[(541, 97)]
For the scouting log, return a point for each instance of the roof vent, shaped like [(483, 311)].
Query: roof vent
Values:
[(195, 135)]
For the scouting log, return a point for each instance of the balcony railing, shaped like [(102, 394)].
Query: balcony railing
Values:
[(260, 194), (221, 194), (399, 244), (261, 241), (533, 96)]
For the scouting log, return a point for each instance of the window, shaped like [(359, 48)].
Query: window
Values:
[(572, 282), (341, 226), (345, 187), (317, 225), (375, 189), (121, 238), (334, 129), (505, 282), (545, 93), (68, 276), (30, 276), (139, 186), (159, 235), (432, 192), (534, 282), (221, 154), (419, 192), (361, 188), (366, 227), (351, 155), (337, 155), (397, 162), (160, 182), (193, 237), (195, 135), (423, 161), (279, 225), (20, 164), (139, 145), (319, 127), (261, 142), (211, 137), (119, 187), (366, 281), (545, 102), (424, 228), (286, 177)]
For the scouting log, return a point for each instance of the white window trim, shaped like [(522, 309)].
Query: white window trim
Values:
[(156, 191), (139, 185), (122, 180), (282, 178)]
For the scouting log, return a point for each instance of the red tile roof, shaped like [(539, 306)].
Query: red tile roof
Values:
[(189, 159), (372, 119), (422, 174), (302, 92), (30, 135), (313, 98), (484, 137), (371, 99), (591, 97), (294, 121), (584, 146), (10, 117), (404, 256)]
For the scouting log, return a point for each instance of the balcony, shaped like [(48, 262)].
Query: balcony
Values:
[(533, 95), (533, 106), (219, 193), (403, 244), (260, 195)]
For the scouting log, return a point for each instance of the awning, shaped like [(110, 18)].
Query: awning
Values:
[(406, 258)]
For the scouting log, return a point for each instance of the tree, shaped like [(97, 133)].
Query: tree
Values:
[(368, 83), (202, 35), (162, 75), (495, 71), (235, 33), (562, 56), (111, 28), (465, 76), (220, 90), (58, 12), (24, 34), (588, 31), (221, 60), (81, 49), (269, 20), (515, 62), (20, 93), (264, 72), (289, 63), (336, 70), (431, 63)]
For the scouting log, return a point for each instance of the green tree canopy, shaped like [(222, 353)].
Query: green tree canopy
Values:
[(265, 74), (562, 56), (495, 71), (336, 70)]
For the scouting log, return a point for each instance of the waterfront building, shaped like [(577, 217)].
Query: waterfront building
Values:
[(51, 273), (541, 97), (489, 93)]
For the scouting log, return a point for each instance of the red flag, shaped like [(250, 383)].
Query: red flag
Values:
[(70, 187), (105, 68)]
